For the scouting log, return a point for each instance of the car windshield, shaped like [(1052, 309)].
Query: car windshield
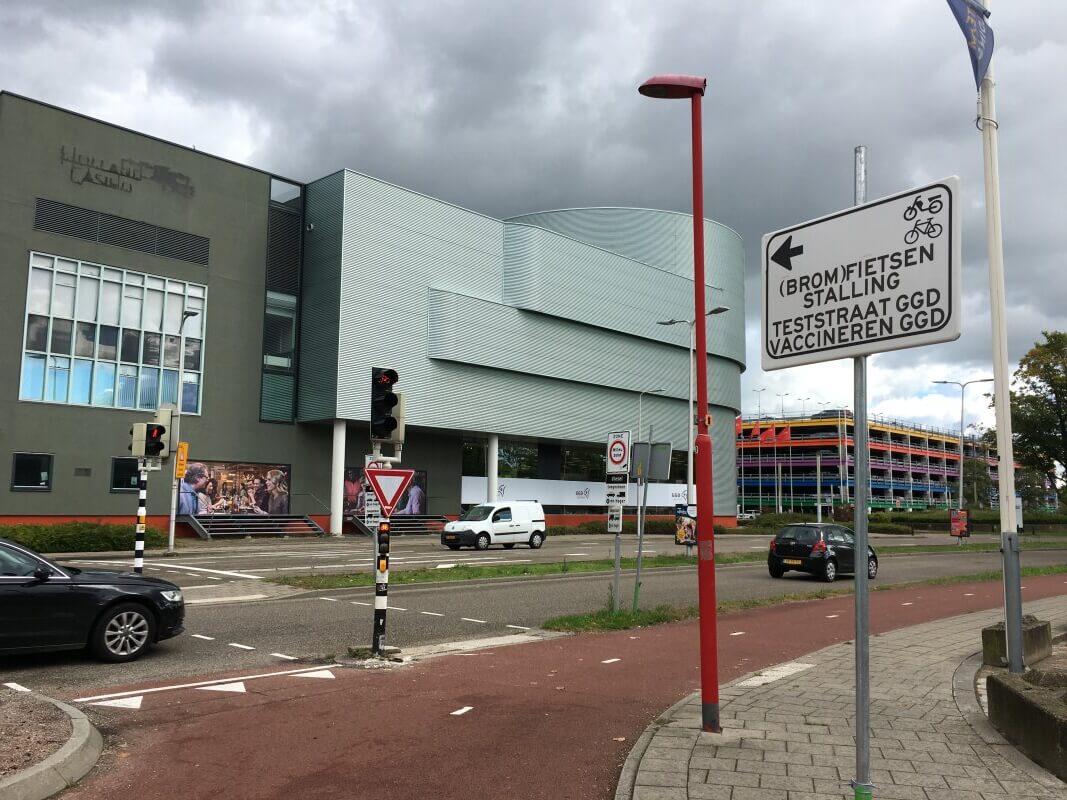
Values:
[(476, 514), (17, 564), (799, 534)]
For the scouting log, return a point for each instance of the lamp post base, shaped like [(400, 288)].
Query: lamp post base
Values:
[(709, 717)]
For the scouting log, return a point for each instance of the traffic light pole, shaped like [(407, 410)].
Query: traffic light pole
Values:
[(381, 587), (142, 497)]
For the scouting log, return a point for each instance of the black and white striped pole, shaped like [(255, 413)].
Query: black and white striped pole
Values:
[(381, 588), (142, 496)]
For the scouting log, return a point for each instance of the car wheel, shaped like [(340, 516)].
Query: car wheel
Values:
[(453, 547), (123, 633), (537, 540), (509, 545), (776, 570), (872, 568), (482, 542), (829, 570)]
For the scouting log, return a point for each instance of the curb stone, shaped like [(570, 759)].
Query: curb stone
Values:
[(63, 768)]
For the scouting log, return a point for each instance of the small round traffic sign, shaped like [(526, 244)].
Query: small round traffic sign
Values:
[(617, 452)]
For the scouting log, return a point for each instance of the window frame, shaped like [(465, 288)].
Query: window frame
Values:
[(51, 472), (111, 482)]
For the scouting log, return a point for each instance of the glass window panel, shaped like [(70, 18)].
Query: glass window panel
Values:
[(32, 378), (155, 283), (126, 393), (90, 269), (40, 291), (131, 306), (194, 326), (125, 477), (172, 352), (32, 471), (63, 295), (149, 393), (131, 346), (85, 340), (173, 312), (169, 395), (58, 379), (135, 278), (36, 332), (66, 265), (150, 350), (190, 393), (82, 381), (104, 385), (112, 274), (38, 260), (62, 330), (153, 310), (109, 302), (194, 290), (109, 343), (192, 354), (88, 295)]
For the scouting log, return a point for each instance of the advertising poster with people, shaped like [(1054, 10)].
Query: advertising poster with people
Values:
[(412, 502), (225, 487)]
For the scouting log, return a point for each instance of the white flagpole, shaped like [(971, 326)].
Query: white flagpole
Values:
[(1001, 373)]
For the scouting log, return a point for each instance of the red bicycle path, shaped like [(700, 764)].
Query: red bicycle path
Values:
[(548, 719)]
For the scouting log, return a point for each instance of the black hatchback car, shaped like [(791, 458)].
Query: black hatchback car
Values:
[(823, 549), (116, 615)]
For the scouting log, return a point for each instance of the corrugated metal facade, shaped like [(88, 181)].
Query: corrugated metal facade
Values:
[(511, 328)]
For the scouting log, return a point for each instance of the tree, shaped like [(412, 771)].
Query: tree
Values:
[(976, 483), (1039, 408)]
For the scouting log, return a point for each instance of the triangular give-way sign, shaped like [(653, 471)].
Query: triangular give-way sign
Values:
[(388, 486)]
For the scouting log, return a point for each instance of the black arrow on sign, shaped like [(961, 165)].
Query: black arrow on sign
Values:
[(784, 254)]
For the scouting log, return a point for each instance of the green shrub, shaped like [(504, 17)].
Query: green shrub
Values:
[(79, 537)]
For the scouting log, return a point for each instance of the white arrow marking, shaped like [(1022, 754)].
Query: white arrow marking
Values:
[(239, 686), (459, 712), (125, 702), (611, 661), (322, 673), (18, 687), (738, 633)]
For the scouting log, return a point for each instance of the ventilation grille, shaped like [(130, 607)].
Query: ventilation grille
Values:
[(96, 226)]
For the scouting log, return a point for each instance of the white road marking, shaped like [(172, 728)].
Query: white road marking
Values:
[(775, 673), (971, 594), (358, 603), (517, 627), (205, 586), (283, 655), (906, 604), (236, 686), (319, 673), (575, 554), (192, 685), (213, 571), (153, 569), (468, 619), (210, 600), (396, 608), (738, 633), (459, 712), (242, 646), (125, 702), (331, 599), (610, 660), (431, 613), (832, 616), (444, 566), (18, 687), (214, 577), (201, 636)]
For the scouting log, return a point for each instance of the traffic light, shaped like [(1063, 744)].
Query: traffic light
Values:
[(383, 546), (162, 420), (138, 434), (155, 440), (382, 402)]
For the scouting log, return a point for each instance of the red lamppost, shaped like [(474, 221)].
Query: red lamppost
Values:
[(679, 87)]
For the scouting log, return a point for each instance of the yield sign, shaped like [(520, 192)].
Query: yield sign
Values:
[(388, 486)]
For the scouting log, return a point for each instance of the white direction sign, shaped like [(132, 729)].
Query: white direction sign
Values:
[(618, 452), (881, 276)]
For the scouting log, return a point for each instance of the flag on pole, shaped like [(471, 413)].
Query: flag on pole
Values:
[(971, 16), (767, 437), (783, 437), (738, 427), (755, 430)]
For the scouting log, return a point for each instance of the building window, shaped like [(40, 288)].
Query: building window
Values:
[(31, 472), (102, 315), (124, 475), (279, 331)]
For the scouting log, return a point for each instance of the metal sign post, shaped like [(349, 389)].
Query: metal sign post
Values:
[(618, 476), (381, 586), (139, 528)]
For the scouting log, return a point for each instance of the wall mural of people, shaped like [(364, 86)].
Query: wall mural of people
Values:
[(225, 487)]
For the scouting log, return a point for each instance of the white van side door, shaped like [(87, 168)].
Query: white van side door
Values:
[(502, 526)]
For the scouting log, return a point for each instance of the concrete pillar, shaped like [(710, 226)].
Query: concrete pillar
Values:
[(492, 458), (337, 478)]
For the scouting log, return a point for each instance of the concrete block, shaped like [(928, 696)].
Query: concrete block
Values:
[(1037, 642), (1032, 717)]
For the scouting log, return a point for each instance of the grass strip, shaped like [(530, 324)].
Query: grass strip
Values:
[(607, 620)]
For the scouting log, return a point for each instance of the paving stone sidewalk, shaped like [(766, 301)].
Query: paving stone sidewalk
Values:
[(794, 738)]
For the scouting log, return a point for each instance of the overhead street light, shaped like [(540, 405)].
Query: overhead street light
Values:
[(176, 418), (691, 87)]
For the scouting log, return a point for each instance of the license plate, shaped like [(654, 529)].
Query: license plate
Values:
[(795, 561), (451, 536)]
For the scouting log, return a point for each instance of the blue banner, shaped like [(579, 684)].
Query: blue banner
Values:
[(971, 16)]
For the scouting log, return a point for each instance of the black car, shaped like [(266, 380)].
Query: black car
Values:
[(823, 549), (116, 615)]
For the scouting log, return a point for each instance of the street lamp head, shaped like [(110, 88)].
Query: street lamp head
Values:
[(188, 313), (673, 87), (672, 321), (718, 310)]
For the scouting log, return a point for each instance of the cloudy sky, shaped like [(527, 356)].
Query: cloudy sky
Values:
[(506, 107)]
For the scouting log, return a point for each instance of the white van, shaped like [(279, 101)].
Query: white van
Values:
[(509, 524)]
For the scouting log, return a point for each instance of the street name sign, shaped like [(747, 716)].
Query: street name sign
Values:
[(881, 276), (388, 486)]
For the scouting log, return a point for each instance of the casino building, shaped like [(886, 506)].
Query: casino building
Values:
[(143, 273)]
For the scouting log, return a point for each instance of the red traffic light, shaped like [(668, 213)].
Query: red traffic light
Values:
[(154, 437), (385, 377)]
